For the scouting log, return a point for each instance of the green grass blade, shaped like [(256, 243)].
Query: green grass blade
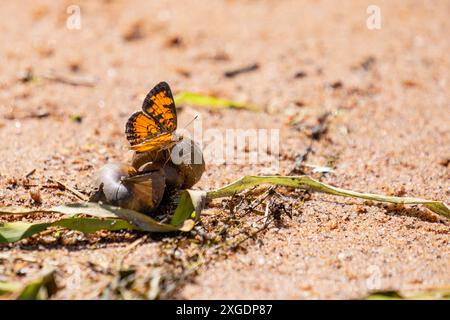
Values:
[(305, 182), (202, 100)]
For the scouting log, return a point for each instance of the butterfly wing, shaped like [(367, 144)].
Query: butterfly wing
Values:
[(158, 143), (140, 128), (152, 127), (160, 106)]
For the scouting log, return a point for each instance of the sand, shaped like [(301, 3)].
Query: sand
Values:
[(387, 92)]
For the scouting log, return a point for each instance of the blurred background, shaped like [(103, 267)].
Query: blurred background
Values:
[(376, 72)]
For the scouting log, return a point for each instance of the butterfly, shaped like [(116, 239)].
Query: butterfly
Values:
[(154, 127)]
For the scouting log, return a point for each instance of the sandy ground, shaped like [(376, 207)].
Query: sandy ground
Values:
[(387, 91)]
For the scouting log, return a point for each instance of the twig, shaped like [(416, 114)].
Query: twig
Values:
[(300, 158), (127, 250), (29, 174), (254, 223), (74, 81), (257, 202), (318, 131), (74, 191), (118, 261), (233, 73), (49, 186), (267, 212), (252, 235), (38, 115), (135, 243)]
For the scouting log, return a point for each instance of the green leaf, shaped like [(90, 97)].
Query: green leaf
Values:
[(39, 288), (143, 222), (8, 287), (431, 294), (191, 202), (15, 231), (305, 182), (106, 218), (89, 208), (201, 100)]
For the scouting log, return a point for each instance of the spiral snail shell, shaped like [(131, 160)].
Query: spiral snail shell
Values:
[(141, 186), (182, 172)]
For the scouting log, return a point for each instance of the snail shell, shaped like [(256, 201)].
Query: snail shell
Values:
[(184, 173), (142, 185), (121, 185)]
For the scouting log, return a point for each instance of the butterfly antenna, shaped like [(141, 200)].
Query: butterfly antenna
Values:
[(195, 118)]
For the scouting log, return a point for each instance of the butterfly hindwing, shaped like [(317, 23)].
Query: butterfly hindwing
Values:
[(158, 143), (140, 128), (160, 106)]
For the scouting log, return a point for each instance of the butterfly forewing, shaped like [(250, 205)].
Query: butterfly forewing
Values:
[(160, 106), (152, 127)]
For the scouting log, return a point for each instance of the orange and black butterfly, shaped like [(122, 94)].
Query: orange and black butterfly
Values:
[(154, 127)]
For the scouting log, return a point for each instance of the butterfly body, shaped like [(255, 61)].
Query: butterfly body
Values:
[(154, 127)]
